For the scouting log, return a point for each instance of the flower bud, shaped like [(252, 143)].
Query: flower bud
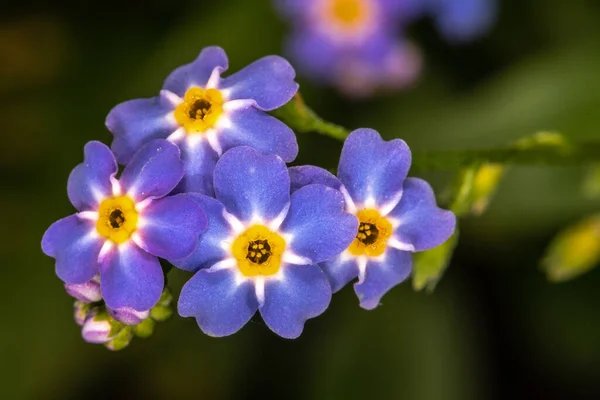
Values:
[(97, 328), (81, 312), (88, 292), (121, 340), (128, 315)]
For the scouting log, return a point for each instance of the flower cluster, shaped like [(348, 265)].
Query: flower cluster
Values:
[(205, 186), (359, 45)]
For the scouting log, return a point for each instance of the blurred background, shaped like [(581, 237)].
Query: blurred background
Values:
[(494, 328)]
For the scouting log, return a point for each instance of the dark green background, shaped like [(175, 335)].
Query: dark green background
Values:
[(494, 329)]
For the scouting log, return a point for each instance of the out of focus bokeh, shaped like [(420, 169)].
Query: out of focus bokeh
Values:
[(494, 328)]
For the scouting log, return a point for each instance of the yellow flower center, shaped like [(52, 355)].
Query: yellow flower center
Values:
[(348, 13), (200, 110), (117, 219), (373, 233), (258, 251)]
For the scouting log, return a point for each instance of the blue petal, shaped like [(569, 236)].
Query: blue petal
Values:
[(252, 184), (373, 168), (268, 81), (136, 122), (257, 129), (210, 246), (200, 160), (462, 20), (130, 277), (171, 227), (89, 182), (154, 171), (71, 241), (309, 174), (422, 223), (340, 271), (196, 73), (319, 227), (301, 294), (314, 54), (382, 275), (221, 306)]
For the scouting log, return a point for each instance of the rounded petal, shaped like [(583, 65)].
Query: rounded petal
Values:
[(340, 271), (301, 294), (199, 159), (371, 168), (317, 223), (252, 127), (252, 184), (74, 244), (136, 122), (309, 174), (130, 277), (268, 81), (153, 172), (220, 305), (196, 73), (171, 227), (422, 223), (381, 275), (89, 182), (210, 245)]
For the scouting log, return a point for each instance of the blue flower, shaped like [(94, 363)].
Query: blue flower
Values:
[(261, 248), (397, 215), (205, 114), (123, 225)]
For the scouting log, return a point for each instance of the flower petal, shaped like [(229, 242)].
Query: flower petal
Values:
[(268, 81), (210, 248), (130, 277), (340, 271), (251, 127), (371, 168), (319, 227), (199, 160), (136, 122), (89, 182), (252, 184), (301, 294), (171, 227), (75, 246), (220, 305), (460, 21), (314, 54), (154, 171), (309, 174), (382, 275), (196, 73), (422, 223)]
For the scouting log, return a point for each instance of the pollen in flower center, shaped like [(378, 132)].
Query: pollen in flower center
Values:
[(200, 109), (373, 233), (117, 219), (258, 251), (348, 13)]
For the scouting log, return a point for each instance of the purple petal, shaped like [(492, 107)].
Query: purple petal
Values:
[(74, 244), (171, 227), (422, 223), (89, 182), (309, 174), (153, 172), (210, 246), (88, 292), (301, 294), (252, 127), (130, 277), (199, 159), (221, 306), (268, 81), (136, 122), (252, 184), (373, 168), (340, 271), (318, 224), (382, 274), (314, 54), (196, 73)]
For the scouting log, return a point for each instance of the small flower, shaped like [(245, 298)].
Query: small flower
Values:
[(261, 248), (87, 292), (397, 215), (123, 225), (205, 114)]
